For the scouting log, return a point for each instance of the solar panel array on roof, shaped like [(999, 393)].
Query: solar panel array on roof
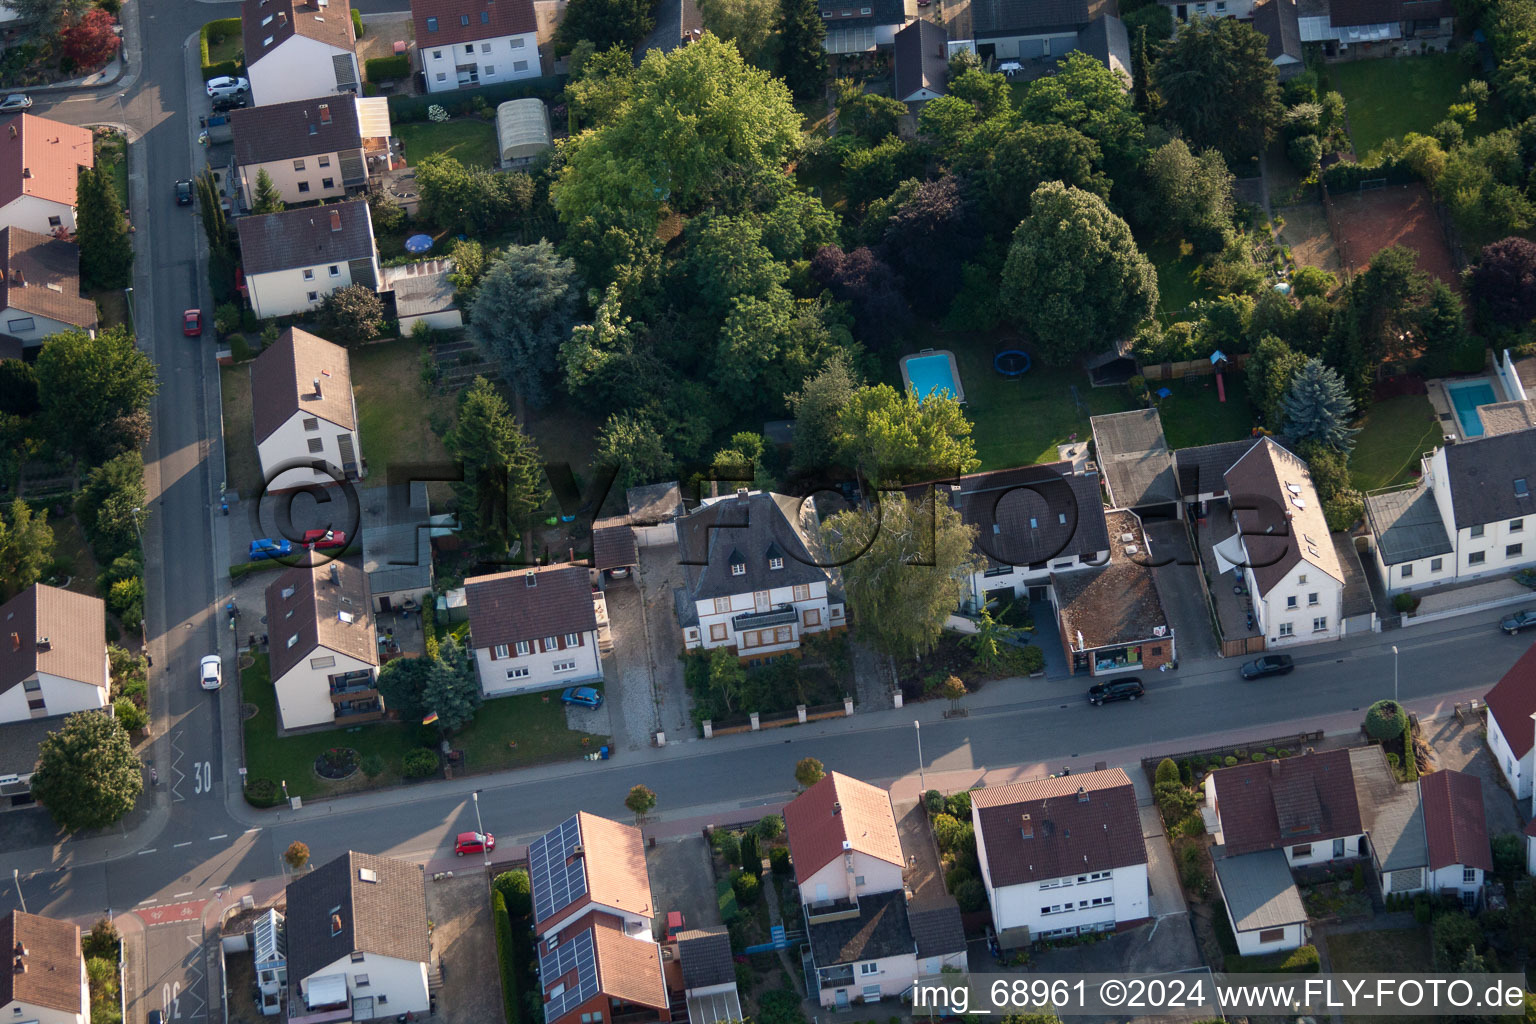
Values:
[(558, 879), (579, 955)]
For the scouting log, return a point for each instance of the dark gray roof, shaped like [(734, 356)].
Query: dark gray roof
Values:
[(937, 930), (921, 59), (1030, 514), (287, 131), (706, 957), (846, 12), (1105, 38), (687, 611), (654, 503), (1407, 524), (386, 916), (1134, 457), (19, 742), (1022, 17), (740, 531), (397, 553), (879, 931), (1391, 812), (1483, 475), (1344, 13), (1259, 890), (1203, 470), (305, 237), (1277, 19), (613, 543)]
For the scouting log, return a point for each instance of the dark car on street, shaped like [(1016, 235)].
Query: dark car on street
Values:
[(1525, 618), (1120, 689), (184, 192), (1269, 665)]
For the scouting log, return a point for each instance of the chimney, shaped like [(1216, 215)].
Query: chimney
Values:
[(316, 383), (15, 641), (837, 808), (325, 113), (530, 579), (282, 17), (44, 644), (26, 172), (1026, 827), (335, 575), (1082, 794), (335, 220), (741, 492)]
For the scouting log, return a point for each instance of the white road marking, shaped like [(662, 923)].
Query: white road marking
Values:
[(215, 838), (150, 900), (179, 895), (180, 845), (143, 852), (250, 830)]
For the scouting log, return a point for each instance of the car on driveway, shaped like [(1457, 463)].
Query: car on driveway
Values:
[(1269, 665), (1119, 689), (1525, 618), (582, 696), (192, 323), (324, 540), (224, 85), (266, 547), (184, 192), (474, 842), (15, 101), (234, 101), (211, 674)]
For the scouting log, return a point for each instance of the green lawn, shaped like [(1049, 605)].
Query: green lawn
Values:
[(1392, 951), (1388, 98), (72, 555), (394, 408), (1394, 433), (239, 438), (1193, 415), (224, 47), (535, 722), (1176, 286), (471, 143)]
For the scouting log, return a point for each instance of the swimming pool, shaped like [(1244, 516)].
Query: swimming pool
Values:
[(1466, 397), (932, 370)]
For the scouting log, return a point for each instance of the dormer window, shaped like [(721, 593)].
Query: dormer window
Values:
[(775, 563), (738, 568)]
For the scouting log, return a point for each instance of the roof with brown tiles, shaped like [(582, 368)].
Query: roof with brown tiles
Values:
[(74, 625), (1270, 805), (529, 604), (613, 543), (53, 961), (1454, 820), (463, 21), (42, 158), (357, 902), (1280, 515), (1117, 604), (305, 237), (840, 813), (41, 275), (1512, 702), (609, 868), (281, 20), (1076, 823), (323, 606), (628, 968), (283, 383), (300, 128)]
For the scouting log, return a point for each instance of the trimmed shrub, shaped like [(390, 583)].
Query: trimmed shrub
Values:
[(1257, 757), (751, 856), (933, 802), (1229, 761), (746, 888), (971, 895), (1167, 772), (420, 763), (263, 793), (957, 877), (728, 847), (503, 944), (357, 23), (1301, 960), (129, 715), (462, 101), (769, 826), (387, 69), (373, 766), (778, 859), (1357, 877), (1385, 720), (516, 889), (1186, 773)]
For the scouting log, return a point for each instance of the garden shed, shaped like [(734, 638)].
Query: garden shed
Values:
[(522, 130)]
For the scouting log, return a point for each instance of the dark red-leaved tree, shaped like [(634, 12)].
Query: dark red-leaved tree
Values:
[(91, 41), (1504, 282), (927, 239), (871, 289)]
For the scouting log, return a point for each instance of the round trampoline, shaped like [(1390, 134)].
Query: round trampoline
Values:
[(1011, 362)]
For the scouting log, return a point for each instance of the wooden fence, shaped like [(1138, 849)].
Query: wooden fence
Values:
[(1243, 645), (1190, 368)]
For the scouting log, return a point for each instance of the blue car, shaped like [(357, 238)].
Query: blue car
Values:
[(583, 696), (268, 548)]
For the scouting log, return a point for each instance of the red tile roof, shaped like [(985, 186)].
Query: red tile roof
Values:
[(53, 962), (40, 274), (42, 158), (75, 626), (529, 604), (1513, 701), (1454, 820), (1275, 804), (463, 21), (1075, 823), (840, 813), (628, 968)]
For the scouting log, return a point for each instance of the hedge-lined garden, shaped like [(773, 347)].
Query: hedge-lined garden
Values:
[(462, 101), (212, 34)]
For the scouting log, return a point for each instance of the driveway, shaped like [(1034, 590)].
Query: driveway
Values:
[(1460, 745), (660, 575), (682, 878), (630, 707), (464, 942), (1182, 590)]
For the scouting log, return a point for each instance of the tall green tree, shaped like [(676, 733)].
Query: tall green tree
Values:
[(402, 682), (1086, 95), (898, 437), (352, 315), (524, 309), (1188, 196), (211, 210), (630, 441), (95, 393), (1141, 90), (452, 689), (504, 481), (1217, 84), (751, 24), (107, 503), (42, 19), (604, 23), (1269, 372), (1034, 154), (818, 411), (987, 641), (106, 251), (600, 83), (802, 57), (1074, 278), (87, 773), (268, 198), (26, 548), (905, 566), (1317, 407)]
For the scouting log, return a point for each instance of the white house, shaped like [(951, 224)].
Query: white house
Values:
[(303, 413), (1282, 548), (1262, 903), (866, 942), (1062, 857), (40, 163), (1457, 827), (45, 981), (293, 260), (1305, 806), (299, 49), (324, 651), (468, 43), (1466, 518), (53, 654), (40, 287), (318, 148), (1511, 732), (755, 576), (358, 939), (533, 629)]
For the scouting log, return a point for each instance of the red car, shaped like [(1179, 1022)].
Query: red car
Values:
[(324, 539), (474, 842), (192, 323)]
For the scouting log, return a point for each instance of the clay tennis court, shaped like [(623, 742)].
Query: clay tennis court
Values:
[(1364, 223)]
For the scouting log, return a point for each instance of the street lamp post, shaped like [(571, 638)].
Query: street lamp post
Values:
[(16, 877), (485, 849), (922, 779), (1394, 673)]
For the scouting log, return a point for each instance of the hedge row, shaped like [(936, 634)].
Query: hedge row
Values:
[(222, 27), (1346, 177), (357, 23), (385, 69), (504, 953), (461, 101)]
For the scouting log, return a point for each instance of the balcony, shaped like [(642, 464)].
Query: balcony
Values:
[(784, 615), (835, 977), (354, 712), (345, 687), (822, 911), (298, 1013)]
